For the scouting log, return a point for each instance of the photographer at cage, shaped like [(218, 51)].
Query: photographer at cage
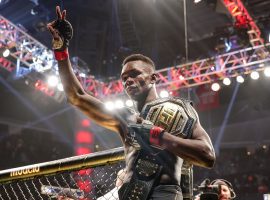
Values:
[(218, 189)]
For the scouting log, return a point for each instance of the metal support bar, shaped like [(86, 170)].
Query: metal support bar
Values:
[(71, 163)]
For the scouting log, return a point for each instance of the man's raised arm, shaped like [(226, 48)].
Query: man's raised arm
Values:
[(61, 31)]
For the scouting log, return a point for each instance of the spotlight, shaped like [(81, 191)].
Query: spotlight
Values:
[(181, 77), (267, 71), (197, 1), (163, 94), (109, 105), (226, 81), (119, 104), (60, 87), (6, 53), (52, 81), (255, 75), (82, 75), (129, 103), (240, 79), (215, 87)]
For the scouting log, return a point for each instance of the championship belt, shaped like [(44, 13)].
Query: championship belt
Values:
[(175, 116), (146, 172)]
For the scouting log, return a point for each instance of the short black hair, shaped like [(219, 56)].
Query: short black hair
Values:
[(134, 57)]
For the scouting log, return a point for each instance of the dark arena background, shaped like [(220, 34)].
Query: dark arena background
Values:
[(213, 52)]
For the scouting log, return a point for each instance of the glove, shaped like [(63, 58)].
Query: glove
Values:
[(62, 32), (148, 133), (65, 31)]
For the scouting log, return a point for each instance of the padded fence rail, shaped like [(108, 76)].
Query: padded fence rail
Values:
[(86, 177)]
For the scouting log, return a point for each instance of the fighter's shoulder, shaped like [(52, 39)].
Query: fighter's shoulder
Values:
[(187, 104), (126, 114), (182, 100)]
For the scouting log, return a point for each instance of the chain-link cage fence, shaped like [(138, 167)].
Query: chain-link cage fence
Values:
[(87, 177)]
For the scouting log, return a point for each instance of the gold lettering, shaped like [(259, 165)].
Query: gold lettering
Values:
[(37, 169), (25, 171)]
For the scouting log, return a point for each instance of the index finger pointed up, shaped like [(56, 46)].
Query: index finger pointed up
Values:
[(58, 13)]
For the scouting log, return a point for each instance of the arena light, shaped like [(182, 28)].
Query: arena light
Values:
[(52, 81), (6, 53), (240, 79), (60, 87), (255, 75), (119, 104), (267, 71), (129, 103), (164, 94), (109, 105), (181, 77), (215, 87), (82, 75), (226, 81)]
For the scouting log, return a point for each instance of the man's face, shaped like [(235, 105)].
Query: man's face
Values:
[(137, 79), (225, 193)]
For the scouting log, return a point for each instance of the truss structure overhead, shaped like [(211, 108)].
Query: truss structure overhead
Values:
[(26, 51), (33, 54), (243, 20), (195, 73)]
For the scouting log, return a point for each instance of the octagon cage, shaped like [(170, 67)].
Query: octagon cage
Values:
[(86, 177)]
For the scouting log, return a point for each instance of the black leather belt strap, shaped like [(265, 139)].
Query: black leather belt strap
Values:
[(146, 172)]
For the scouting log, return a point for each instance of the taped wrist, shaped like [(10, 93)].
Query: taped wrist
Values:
[(155, 136), (61, 55)]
